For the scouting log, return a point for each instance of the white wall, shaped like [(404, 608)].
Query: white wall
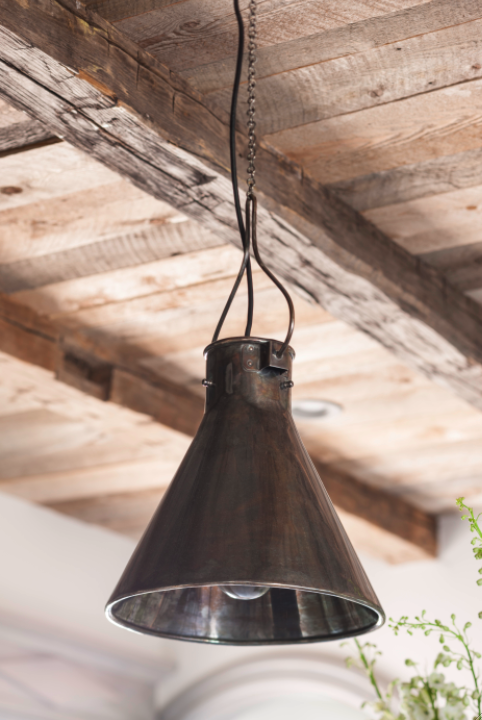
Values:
[(58, 572)]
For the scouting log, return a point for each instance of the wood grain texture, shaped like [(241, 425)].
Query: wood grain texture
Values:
[(337, 258), (462, 265), (26, 135), (406, 132), (411, 182), (391, 72), (115, 286), (102, 481), (115, 10), (347, 39), (433, 223), (117, 212), (147, 247), (80, 367), (127, 513), (183, 33)]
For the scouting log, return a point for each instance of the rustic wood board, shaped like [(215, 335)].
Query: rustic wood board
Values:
[(433, 223), (190, 33), (412, 130)]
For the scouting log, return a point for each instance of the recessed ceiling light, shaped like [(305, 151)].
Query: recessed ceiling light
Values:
[(314, 409)]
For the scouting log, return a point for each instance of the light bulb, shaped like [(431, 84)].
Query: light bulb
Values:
[(244, 592)]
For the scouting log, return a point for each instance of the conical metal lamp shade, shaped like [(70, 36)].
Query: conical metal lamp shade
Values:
[(246, 509)]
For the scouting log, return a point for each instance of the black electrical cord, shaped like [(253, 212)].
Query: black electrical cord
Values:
[(246, 263)]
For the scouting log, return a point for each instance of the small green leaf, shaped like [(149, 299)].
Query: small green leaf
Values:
[(446, 648), (479, 582), (441, 639), (409, 662), (480, 615), (467, 625), (460, 665)]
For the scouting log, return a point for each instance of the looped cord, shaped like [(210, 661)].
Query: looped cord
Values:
[(248, 232), (251, 232)]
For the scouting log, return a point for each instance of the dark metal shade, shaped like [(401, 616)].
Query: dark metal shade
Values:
[(246, 508)]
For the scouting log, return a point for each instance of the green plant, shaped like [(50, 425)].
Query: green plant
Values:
[(428, 695), (474, 528), (365, 660), (446, 700)]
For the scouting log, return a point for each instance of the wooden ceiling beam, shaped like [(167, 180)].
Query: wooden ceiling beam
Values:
[(29, 337), (109, 98), (378, 522)]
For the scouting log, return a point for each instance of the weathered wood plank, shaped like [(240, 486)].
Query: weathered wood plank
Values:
[(82, 368), (418, 473), (99, 480), (115, 286), (117, 212), (411, 182), (115, 10), (61, 476), (26, 344), (144, 248), (329, 251), (392, 72), (26, 135), (127, 513), (193, 32), (461, 265), (184, 412), (413, 130), (433, 223), (354, 37)]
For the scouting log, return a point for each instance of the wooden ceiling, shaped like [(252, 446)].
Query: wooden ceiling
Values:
[(118, 246)]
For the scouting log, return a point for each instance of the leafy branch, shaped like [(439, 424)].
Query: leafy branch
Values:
[(365, 660), (462, 658), (474, 528), (429, 696)]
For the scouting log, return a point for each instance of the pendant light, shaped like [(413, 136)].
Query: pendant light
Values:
[(246, 547)]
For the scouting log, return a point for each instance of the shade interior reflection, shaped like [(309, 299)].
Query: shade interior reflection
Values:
[(281, 615)]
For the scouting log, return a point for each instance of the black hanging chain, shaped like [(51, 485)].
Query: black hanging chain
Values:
[(251, 96), (248, 232)]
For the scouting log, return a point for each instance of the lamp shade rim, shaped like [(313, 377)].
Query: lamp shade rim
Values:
[(115, 620)]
